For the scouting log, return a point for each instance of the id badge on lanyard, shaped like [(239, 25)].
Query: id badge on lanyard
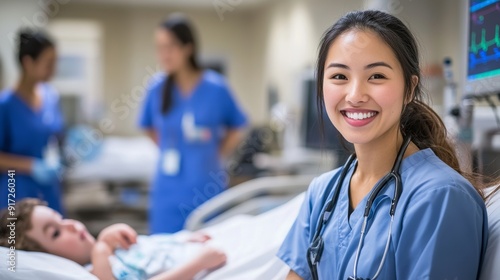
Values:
[(171, 156), (171, 161)]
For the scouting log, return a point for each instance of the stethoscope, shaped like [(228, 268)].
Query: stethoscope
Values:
[(315, 250)]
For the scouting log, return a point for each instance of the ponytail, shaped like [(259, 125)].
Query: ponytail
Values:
[(168, 88), (427, 130), (181, 28)]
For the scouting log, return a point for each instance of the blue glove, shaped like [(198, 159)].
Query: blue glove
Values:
[(43, 173), (83, 142)]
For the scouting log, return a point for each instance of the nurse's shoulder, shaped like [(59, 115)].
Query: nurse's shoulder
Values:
[(319, 184), (6, 108), (7, 101), (428, 174), (6, 96), (215, 82), (214, 79)]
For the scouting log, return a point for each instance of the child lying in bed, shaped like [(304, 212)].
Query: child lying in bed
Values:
[(118, 253)]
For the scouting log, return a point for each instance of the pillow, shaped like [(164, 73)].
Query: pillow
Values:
[(491, 261), (42, 266)]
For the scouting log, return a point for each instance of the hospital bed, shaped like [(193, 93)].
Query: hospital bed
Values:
[(251, 198), (113, 187), (250, 242), (120, 159)]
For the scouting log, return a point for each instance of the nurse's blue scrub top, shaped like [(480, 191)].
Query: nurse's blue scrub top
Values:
[(439, 231), (26, 132), (200, 175)]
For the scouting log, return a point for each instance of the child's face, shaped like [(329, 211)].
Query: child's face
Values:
[(62, 237)]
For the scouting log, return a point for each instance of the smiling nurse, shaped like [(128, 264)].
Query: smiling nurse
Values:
[(400, 208)]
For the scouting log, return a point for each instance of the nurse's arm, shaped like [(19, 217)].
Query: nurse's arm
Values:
[(151, 133), (20, 164), (293, 276), (231, 140)]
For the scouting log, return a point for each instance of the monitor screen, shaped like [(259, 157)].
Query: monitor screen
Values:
[(483, 51), (316, 136)]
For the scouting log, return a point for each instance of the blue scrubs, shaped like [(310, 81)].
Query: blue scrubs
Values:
[(26, 132), (200, 175), (439, 231)]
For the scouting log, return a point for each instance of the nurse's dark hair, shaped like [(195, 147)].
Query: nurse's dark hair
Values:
[(32, 43), (418, 119), (181, 28)]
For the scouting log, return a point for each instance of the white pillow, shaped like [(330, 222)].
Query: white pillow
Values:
[(491, 262), (42, 266)]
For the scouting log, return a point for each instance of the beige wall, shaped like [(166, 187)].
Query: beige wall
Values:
[(13, 15), (288, 33), (271, 45), (129, 54)]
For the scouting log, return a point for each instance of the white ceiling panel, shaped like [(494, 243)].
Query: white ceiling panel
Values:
[(206, 4)]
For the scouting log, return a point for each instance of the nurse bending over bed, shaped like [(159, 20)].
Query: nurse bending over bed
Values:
[(118, 253), (401, 208)]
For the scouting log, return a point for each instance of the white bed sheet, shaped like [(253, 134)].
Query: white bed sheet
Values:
[(41, 266), (491, 261), (250, 242), (121, 159)]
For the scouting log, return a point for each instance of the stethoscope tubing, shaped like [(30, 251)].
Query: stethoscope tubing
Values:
[(316, 249)]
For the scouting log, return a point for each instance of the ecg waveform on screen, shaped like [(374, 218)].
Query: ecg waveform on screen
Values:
[(482, 46), (484, 37)]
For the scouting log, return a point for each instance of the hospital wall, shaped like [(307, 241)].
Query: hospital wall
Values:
[(266, 46), (129, 53), (269, 46), (291, 31), (12, 15)]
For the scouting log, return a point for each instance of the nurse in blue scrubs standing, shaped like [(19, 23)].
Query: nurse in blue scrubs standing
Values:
[(30, 123), (192, 116)]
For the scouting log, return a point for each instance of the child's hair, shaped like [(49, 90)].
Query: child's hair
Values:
[(418, 119), (21, 215)]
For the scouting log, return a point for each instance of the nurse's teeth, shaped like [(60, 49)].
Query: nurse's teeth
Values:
[(359, 116)]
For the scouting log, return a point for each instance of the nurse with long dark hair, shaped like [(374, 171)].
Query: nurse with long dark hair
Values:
[(192, 116)]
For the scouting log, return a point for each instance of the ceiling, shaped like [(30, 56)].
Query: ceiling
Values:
[(202, 4)]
